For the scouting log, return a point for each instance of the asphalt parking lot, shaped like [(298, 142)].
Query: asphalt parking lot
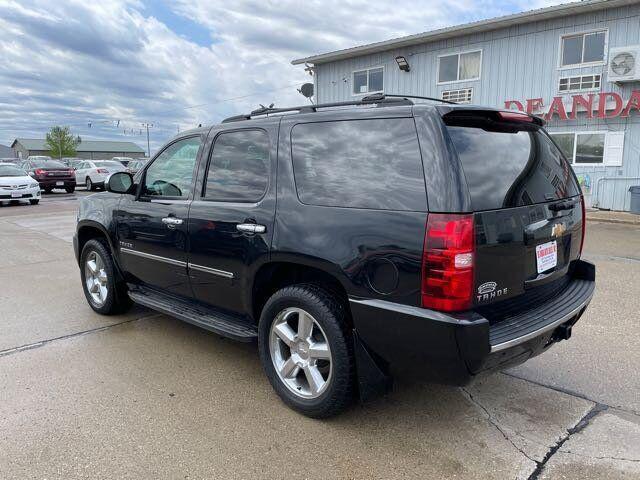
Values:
[(143, 395)]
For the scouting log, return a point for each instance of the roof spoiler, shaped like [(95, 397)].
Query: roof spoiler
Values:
[(478, 115)]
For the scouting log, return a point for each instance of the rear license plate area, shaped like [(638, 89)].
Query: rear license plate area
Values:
[(546, 256)]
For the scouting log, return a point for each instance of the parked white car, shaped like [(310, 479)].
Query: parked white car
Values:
[(16, 184), (94, 173)]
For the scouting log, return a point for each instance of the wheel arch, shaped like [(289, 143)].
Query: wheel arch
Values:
[(89, 230), (277, 274)]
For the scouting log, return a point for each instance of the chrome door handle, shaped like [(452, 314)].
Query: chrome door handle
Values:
[(172, 222), (251, 228)]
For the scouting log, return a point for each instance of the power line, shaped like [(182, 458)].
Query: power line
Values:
[(116, 122)]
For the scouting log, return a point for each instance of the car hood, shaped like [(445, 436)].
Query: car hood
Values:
[(25, 179)]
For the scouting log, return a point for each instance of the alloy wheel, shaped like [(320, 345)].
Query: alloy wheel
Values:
[(300, 353), (96, 278)]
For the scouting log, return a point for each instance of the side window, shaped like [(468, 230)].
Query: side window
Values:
[(171, 174), (360, 164), (239, 167)]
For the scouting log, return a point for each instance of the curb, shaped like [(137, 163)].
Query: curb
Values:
[(613, 220)]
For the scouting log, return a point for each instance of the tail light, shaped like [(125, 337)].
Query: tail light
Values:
[(447, 262), (584, 223), (39, 171), (70, 172), (102, 170)]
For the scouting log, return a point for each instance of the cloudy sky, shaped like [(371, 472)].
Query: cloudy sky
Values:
[(116, 64)]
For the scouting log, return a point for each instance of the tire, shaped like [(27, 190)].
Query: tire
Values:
[(115, 300), (48, 189), (34, 202), (330, 323), (69, 189), (89, 184)]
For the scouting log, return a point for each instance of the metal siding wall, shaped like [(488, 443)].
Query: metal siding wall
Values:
[(517, 63)]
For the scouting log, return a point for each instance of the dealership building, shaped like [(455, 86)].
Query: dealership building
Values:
[(577, 65), (89, 149)]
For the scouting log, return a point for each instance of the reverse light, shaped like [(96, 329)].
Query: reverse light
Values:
[(447, 262)]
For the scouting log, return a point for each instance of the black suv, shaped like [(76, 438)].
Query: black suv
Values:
[(354, 244)]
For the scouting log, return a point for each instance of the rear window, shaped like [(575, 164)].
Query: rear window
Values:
[(511, 168), (48, 164), (372, 164)]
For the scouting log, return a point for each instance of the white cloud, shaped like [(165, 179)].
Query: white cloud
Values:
[(76, 62)]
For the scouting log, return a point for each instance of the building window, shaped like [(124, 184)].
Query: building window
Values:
[(368, 81), (459, 67), (582, 82), (591, 148), (462, 95), (584, 48)]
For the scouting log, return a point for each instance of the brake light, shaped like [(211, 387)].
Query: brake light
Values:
[(102, 170), (584, 223), (447, 262), (515, 117), (70, 172)]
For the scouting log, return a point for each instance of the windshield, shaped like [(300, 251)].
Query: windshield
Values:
[(507, 168), (11, 171), (47, 164)]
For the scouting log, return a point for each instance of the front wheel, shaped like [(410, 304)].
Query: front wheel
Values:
[(306, 350), (105, 294)]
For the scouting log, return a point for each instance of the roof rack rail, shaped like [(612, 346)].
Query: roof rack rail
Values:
[(381, 99)]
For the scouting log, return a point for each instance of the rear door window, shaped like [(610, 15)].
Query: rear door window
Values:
[(239, 167), (509, 168), (372, 164)]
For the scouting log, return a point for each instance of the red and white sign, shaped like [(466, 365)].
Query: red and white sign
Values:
[(546, 256), (594, 105)]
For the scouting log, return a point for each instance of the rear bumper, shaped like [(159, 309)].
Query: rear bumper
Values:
[(52, 182), (454, 348)]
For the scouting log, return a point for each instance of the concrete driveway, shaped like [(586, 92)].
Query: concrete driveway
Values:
[(146, 396)]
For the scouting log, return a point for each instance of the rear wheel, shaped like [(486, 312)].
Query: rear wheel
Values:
[(48, 189), (70, 189), (34, 202), (89, 184), (306, 350), (105, 294)]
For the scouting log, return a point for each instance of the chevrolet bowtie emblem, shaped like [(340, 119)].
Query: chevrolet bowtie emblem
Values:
[(558, 230)]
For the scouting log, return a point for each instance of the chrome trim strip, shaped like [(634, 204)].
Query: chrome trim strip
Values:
[(149, 256), (546, 328), (213, 271)]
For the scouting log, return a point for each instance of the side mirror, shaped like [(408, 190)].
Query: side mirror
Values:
[(120, 182)]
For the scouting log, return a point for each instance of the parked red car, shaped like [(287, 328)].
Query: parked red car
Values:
[(51, 174)]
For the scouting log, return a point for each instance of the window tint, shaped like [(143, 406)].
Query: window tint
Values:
[(239, 167), (511, 168), (171, 174), (359, 164)]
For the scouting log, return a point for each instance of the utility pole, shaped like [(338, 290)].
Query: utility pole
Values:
[(148, 126)]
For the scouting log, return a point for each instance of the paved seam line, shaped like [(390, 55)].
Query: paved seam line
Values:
[(491, 420), (581, 425), (572, 393), (30, 346)]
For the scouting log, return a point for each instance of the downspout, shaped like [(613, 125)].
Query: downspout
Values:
[(597, 200)]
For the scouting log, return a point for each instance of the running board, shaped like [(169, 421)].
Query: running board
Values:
[(230, 326)]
